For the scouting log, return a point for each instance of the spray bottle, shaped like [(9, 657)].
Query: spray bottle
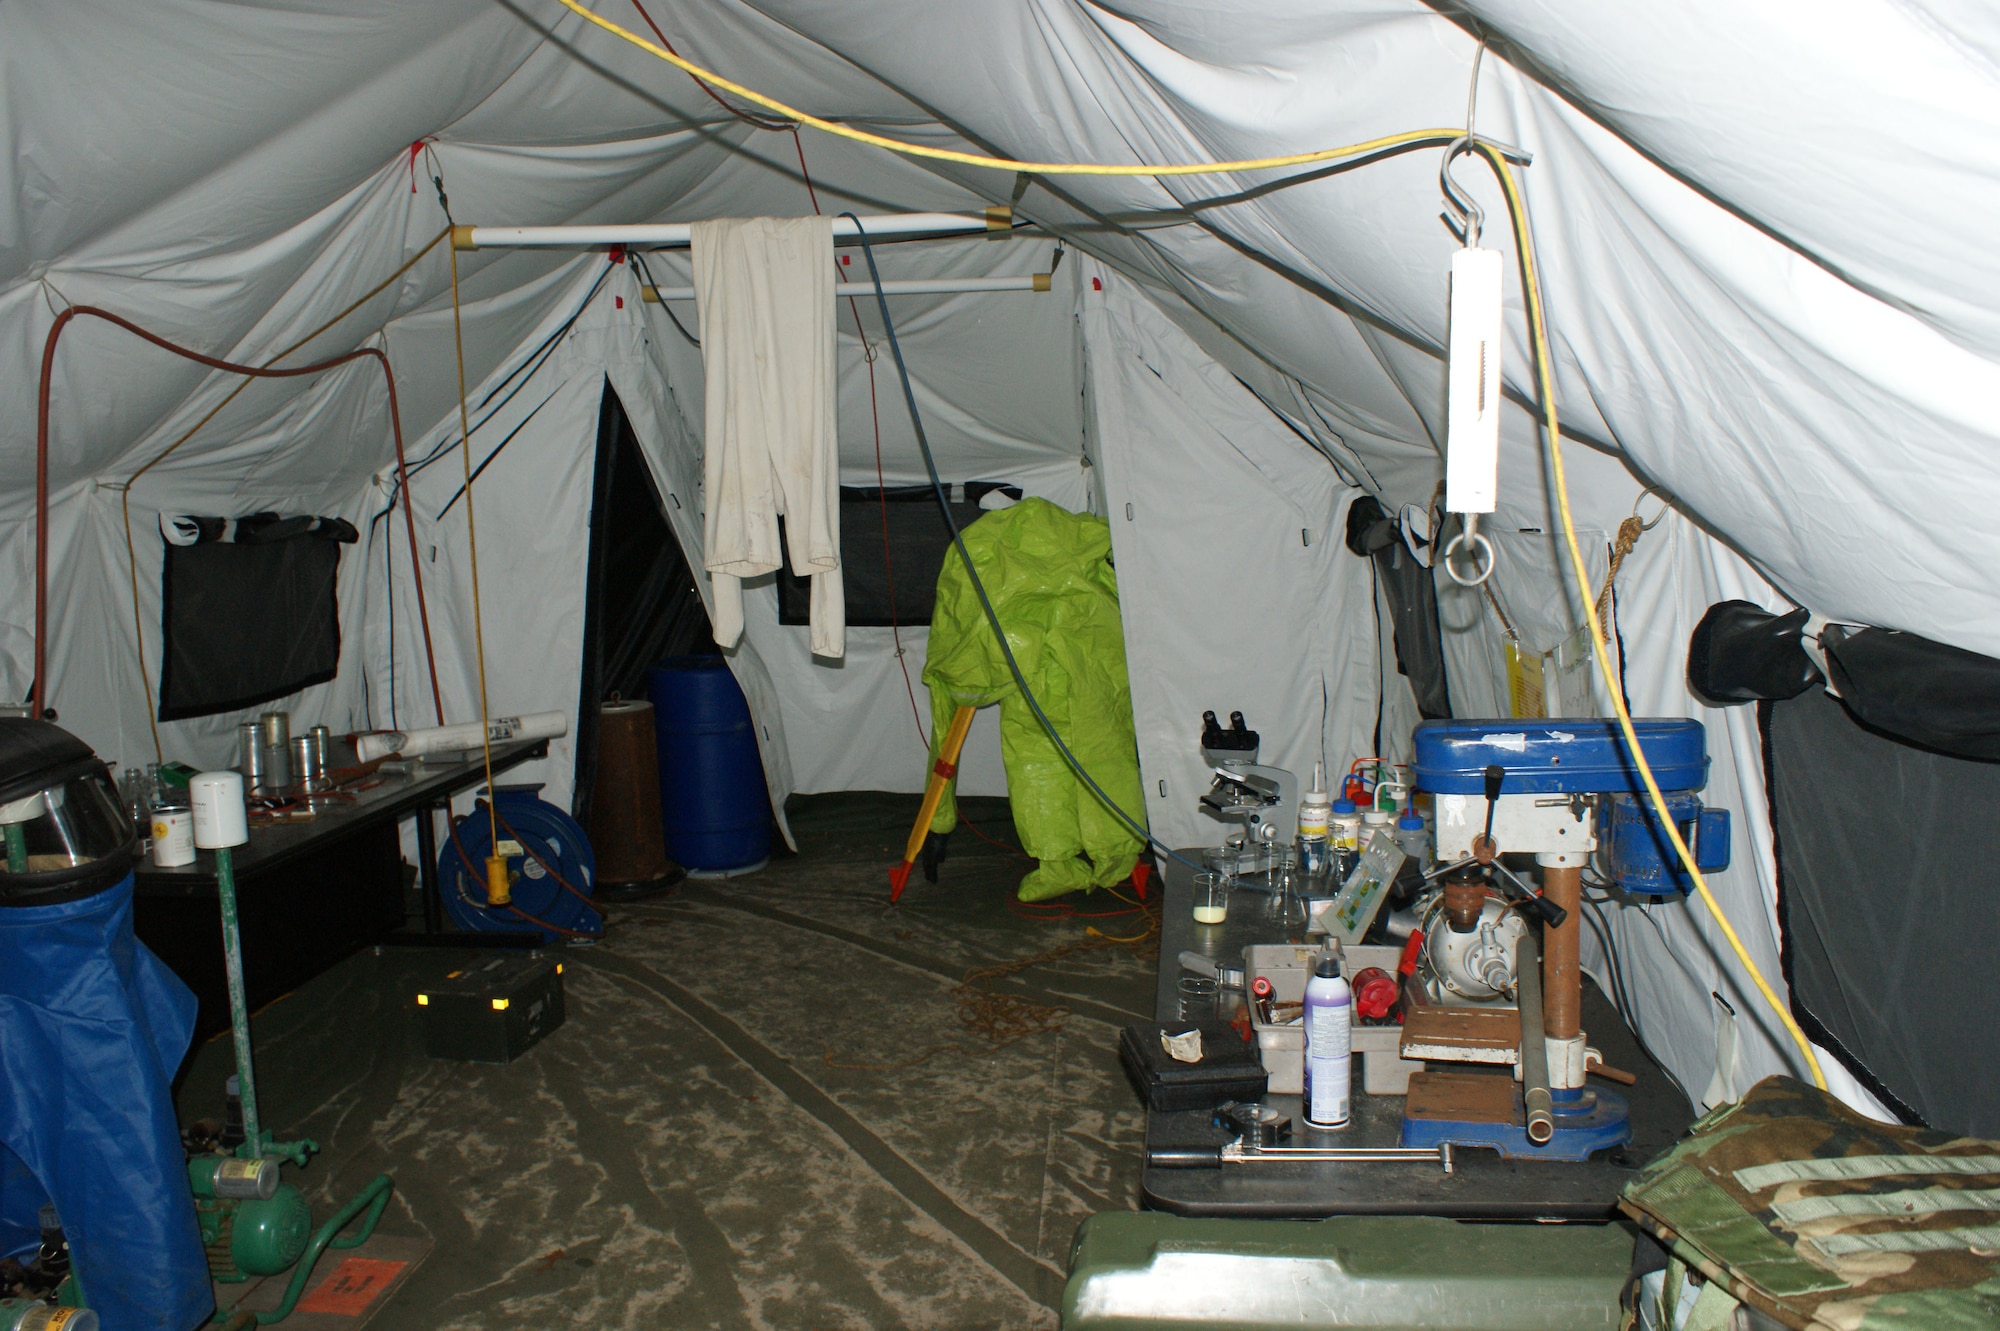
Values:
[(1329, 1029)]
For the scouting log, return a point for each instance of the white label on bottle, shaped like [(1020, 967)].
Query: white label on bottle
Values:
[(1329, 1066)]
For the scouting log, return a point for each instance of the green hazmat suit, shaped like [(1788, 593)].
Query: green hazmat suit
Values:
[(1048, 572)]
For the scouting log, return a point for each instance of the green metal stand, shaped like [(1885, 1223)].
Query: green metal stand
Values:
[(1134, 1271), (239, 1009), (371, 1199)]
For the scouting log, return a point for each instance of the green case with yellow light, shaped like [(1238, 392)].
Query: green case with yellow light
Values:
[(492, 1010)]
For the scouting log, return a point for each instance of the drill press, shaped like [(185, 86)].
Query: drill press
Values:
[(1539, 788)]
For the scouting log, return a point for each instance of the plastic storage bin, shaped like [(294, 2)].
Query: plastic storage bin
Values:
[(1283, 1048)]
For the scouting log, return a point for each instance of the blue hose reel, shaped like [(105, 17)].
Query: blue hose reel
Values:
[(541, 904)]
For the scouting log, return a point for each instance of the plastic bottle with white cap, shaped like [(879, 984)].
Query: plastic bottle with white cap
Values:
[(1315, 849)]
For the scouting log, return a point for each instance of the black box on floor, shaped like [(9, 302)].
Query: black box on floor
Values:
[(492, 1010), (1230, 1067)]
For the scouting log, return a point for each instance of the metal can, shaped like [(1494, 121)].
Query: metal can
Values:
[(322, 739), (173, 837), (307, 769), (250, 753)]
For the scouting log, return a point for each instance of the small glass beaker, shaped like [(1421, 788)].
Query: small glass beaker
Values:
[(1196, 998), (1211, 896)]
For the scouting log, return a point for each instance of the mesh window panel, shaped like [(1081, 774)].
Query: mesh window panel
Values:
[(246, 623)]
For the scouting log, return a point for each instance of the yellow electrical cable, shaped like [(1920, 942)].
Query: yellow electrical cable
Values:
[(1415, 136), (496, 886), (1538, 336)]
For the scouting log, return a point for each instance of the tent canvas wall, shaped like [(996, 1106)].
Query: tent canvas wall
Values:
[(1761, 302)]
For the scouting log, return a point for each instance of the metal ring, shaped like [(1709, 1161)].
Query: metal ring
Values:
[(1666, 504), (1476, 540)]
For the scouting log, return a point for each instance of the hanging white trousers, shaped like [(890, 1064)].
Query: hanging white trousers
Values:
[(764, 289)]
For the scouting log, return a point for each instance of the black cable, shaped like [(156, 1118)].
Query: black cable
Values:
[(487, 461), (647, 273), (979, 588), (1620, 997)]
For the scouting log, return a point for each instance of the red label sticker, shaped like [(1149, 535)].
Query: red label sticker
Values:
[(354, 1284)]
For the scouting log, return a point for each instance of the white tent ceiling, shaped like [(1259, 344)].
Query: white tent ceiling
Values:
[(1762, 236)]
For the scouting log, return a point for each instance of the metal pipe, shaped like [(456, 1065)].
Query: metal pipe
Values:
[(666, 234), (1237, 1153), (1562, 968), (1534, 1045), (239, 1009), (913, 286)]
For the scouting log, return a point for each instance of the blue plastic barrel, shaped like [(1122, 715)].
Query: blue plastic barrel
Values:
[(714, 808)]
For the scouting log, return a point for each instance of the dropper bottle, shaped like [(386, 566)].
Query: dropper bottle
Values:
[(1315, 851)]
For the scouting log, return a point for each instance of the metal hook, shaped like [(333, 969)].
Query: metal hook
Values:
[(1666, 503), (1469, 536), (1471, 217)]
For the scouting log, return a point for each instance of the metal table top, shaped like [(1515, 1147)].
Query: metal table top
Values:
[(273, 845), (1481, 1185)]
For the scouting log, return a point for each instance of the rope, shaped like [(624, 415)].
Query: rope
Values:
[(1486, 585), (1629, 532), (997, 1020), (1411, 138), (472, 543)]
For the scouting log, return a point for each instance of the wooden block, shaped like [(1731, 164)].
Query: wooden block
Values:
[(1462, 1097), (1462, 1034)]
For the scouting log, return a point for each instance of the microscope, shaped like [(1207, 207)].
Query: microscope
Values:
[(1264, 799)]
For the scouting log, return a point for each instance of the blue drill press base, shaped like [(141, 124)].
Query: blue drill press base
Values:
[(1586, 1122)]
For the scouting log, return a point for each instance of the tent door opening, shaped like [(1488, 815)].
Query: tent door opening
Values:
[(642, 605)]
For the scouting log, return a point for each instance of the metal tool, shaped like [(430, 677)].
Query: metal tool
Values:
[(1524, 787), (1240, 1152), (1226, 975), (1258, 1125)]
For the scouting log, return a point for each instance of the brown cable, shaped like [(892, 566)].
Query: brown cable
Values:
[(40, 689), (998, 1020), (465, 856), (125, 498)]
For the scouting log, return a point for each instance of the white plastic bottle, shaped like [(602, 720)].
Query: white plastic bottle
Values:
[(1373, 821), (1315, 848), (1329, 1027), (1414, 837)]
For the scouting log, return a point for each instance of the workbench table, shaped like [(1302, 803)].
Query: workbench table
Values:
[(312, 893), (1482, 1185)]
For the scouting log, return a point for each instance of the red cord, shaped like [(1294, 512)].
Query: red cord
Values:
[(40, 694), (881, 486), (756, 121), (1061, 910)]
